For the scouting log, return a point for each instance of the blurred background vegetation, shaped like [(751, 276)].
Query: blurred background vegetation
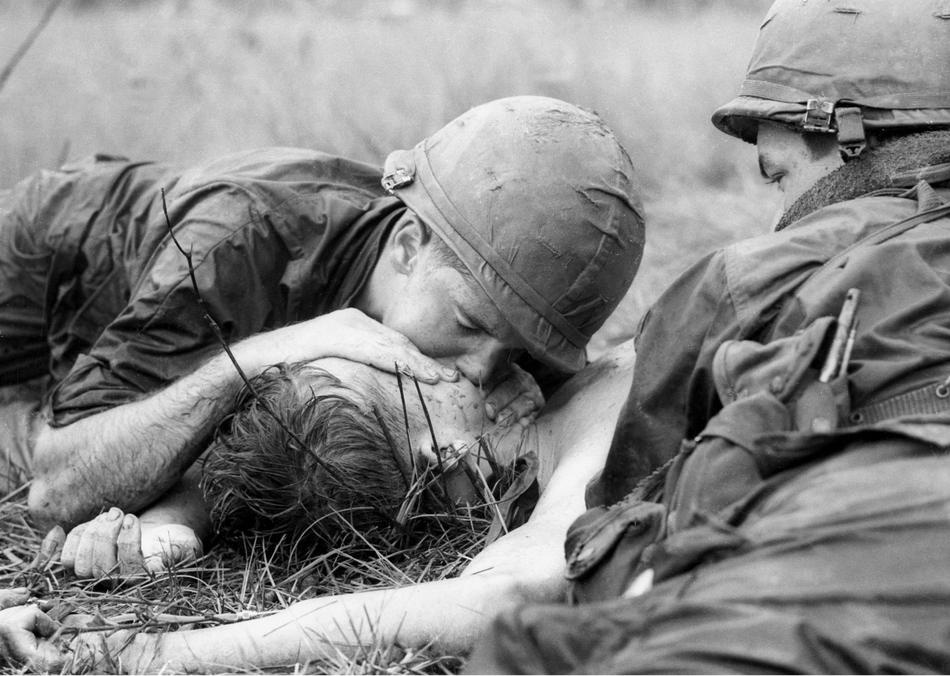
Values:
[(182, 80)]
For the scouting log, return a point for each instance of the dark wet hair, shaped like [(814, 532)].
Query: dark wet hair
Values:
[(257, 479)]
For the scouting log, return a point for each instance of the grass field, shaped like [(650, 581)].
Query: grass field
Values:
[(179, 81)]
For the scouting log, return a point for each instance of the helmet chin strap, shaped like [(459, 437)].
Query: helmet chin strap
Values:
[(847, 122), (851, 138)]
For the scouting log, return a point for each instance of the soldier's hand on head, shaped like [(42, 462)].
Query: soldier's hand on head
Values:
[(515, 398), (350, 334), (117, 544), (25, 633)]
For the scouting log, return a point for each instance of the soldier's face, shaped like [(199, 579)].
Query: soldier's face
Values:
[(450, 318), (794, 161)]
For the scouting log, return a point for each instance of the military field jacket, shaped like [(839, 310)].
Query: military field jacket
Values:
[(100, 296), (756, 290)]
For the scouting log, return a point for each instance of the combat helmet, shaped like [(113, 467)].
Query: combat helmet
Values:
[(846, 67), (538, 199)]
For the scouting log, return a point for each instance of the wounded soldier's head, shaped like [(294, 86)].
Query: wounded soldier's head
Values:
[(350, 442)]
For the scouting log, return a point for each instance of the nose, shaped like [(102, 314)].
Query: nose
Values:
[(483, 361)]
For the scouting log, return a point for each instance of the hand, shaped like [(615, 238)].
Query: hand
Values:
[(97, 547), (13, 597), (164, 545), (24, 631), (517, 397), (348, 334)]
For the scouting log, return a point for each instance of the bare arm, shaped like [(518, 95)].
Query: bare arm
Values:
[(525, 565), (183, 505), (130, 455)]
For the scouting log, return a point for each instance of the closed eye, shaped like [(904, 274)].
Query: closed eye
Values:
[(770, 177), (468, 323)]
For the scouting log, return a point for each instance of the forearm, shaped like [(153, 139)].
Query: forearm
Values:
[(182, 505), (130, 455), (448, 615), (527, 565)]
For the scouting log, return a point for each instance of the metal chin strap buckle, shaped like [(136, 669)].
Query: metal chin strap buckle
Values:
[(851, 139), (400, 177), (818, 115)]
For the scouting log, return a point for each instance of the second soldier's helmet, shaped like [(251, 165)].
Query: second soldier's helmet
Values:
[(539, 201), (846, 67)]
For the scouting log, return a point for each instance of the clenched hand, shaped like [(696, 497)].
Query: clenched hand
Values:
[(517, 397), (120, 543)]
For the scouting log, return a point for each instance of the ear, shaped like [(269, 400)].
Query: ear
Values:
[(406, 241)]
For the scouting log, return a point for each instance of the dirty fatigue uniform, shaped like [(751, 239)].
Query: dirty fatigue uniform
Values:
[(777, 543), (95, 295)]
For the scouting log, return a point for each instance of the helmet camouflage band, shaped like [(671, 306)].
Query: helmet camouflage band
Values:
[(846, 66), (539, 201)]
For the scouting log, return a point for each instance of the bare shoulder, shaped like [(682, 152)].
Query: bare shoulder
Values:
[(598, 381), (578, 422)]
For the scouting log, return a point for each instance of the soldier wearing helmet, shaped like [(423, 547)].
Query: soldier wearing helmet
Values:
[(516, 228), (513, 231), (791, 395)]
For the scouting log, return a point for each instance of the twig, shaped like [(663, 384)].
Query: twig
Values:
[(28, 42), (265, 406), (206, 310), (138, 621), (405, 416), (393, 450), (435, 447)]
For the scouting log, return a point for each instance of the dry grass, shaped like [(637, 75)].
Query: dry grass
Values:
[(178, 81), (245, 579)]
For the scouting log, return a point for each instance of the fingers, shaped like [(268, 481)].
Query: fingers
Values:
[(516, 397), (129, 547), (97, 551), (91, 552), (114, 540), (71, 546), (379, 346), (422, 368), (22, 629), (13, 597), (167, 545), (524, 410), (350, 334), (44, 625), (50, 548)]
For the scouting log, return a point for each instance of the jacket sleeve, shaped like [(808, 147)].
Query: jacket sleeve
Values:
[(673, 394), (162, 332)]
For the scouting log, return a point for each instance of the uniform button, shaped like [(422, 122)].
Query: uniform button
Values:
[(778, 382)]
